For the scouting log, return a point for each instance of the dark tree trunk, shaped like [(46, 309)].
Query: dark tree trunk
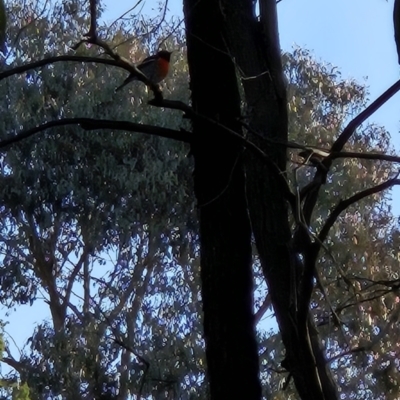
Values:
[(254, 44), (226, 270), (218, 32)]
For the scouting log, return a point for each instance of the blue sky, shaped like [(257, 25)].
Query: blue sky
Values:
[(354, 35)]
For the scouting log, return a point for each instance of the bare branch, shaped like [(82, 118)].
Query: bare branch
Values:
[(123, 15), (358, 349), (78, 314), (263, 308), (394, 284), (377, 295), (15, 343), (123, 298), (141, 359), (189, 112), (312, 189), (357, 121), (182, 135), (370, 346), (71, 279), (51, 60), (351, 200), (123, 62), (18, 366), (117, 61), (320, 154), (365, 156), (92, 124), (93, 19)]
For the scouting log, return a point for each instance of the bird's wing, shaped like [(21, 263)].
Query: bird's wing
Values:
[(146, 62), (142, 67)]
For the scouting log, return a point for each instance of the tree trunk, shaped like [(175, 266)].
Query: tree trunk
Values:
[(254, 44), (225, 235)]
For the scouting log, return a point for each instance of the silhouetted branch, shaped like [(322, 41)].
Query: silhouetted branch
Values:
[(18, 366), (357, 121), (348, 352), (141, 359), (93, 19), (310, 192), (382, 332), (394, 283), (365, 156), (181, 135), (263, 308), (51, 60), (122, 16), (377, 295), (321, 154), (351, 200), (92, 38), (74, 273), (190, 113), (92, 124)]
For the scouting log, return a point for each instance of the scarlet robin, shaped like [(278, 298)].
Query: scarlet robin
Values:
[(155, 67)]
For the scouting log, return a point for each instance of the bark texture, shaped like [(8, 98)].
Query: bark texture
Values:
[(225, 234), (254, 44)]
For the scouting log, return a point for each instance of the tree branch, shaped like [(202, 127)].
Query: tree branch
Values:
[(310, 192), (71, 279), (181, 135), (92, 38), (51, 60), (190, 113), (365, 156), (357, 121), (311, 153), (342, 205), (92, 124), (93, 19), (263, 308), (18, 366)]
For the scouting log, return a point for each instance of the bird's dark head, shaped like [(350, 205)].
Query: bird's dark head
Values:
[(166, 55)]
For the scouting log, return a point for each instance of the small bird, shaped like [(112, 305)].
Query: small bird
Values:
[(155, 67)]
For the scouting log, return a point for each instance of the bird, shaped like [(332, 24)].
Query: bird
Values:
[(155, 68)]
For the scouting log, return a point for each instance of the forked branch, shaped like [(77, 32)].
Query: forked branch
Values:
[(344, 204)]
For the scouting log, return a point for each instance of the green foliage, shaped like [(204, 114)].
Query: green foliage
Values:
[(100, 223), (21, 392), (360, 248)]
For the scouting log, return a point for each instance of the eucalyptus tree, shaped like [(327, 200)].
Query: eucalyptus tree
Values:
[(105, 228)]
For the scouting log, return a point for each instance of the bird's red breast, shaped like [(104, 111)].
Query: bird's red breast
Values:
[(156, 67), (162, 68)]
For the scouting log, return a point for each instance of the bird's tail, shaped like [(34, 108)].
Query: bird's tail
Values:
[(129, 79)]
